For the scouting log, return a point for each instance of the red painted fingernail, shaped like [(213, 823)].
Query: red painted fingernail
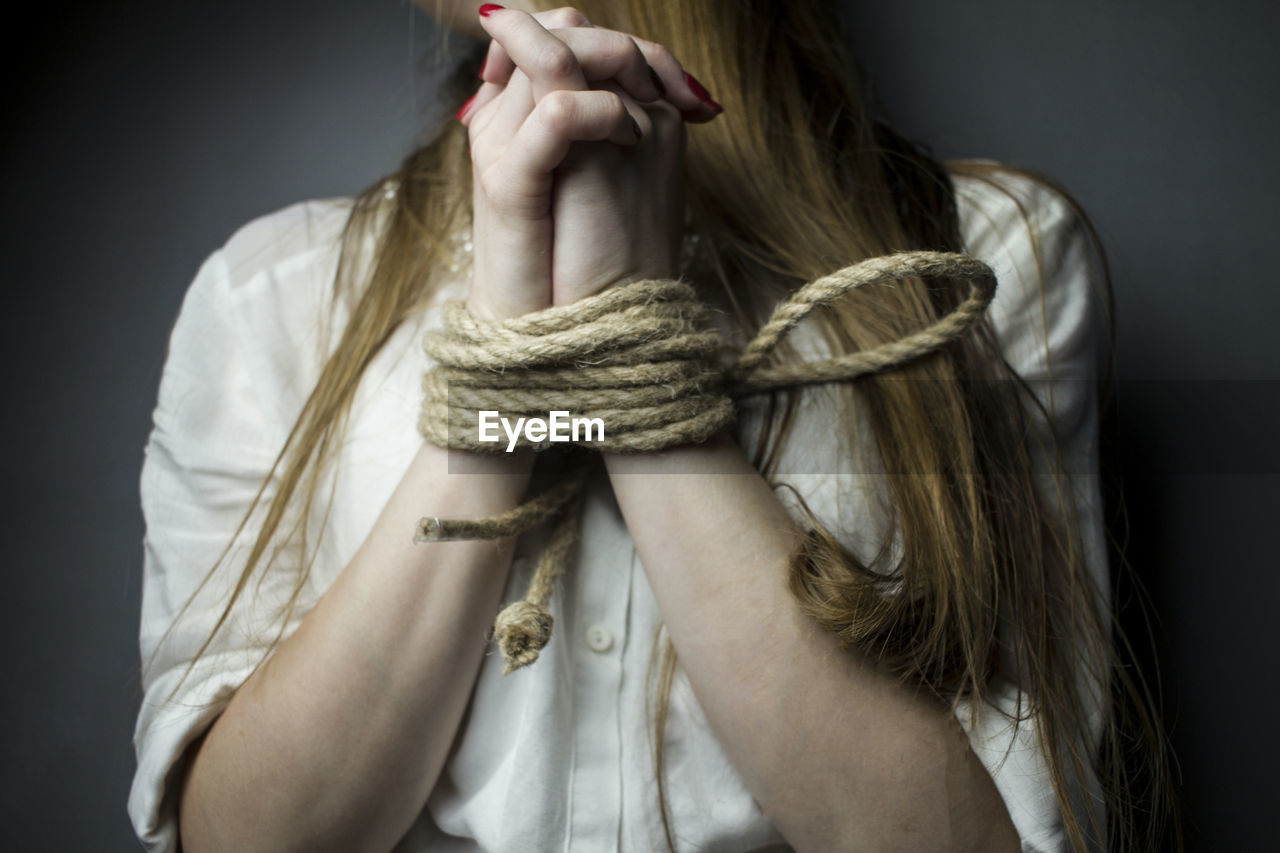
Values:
[(657, 82), (702, 93), (465, 106), (488, 9)]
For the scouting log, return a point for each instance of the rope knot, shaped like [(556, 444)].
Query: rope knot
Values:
[(522, 629)]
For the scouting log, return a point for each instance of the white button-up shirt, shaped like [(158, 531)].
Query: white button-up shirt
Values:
[(556, 756)]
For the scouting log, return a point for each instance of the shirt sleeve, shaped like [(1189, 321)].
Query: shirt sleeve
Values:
[(228, 392), (1047, 311), (1047, 314)]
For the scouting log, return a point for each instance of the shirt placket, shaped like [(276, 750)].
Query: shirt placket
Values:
[(599, 636)]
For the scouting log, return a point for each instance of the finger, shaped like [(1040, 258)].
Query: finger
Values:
[(603, 53), (683, 90), (549, 63), (496, 129), (497, 65), (502, 117), (559, 120), (484, 95), (609, 55)]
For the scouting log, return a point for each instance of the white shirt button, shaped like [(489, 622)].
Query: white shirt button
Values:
[(599, 638)]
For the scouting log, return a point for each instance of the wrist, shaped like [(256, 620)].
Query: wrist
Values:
[(719, 454), (461, 461), (496, 311)]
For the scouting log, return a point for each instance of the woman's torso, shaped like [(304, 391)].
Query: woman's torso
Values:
[(559, 755)]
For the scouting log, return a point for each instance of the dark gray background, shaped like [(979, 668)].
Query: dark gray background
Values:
[(144, 133)]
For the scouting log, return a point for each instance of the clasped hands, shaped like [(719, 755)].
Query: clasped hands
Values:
[(577, 144)]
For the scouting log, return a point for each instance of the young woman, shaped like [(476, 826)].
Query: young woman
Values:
[(865, 614)]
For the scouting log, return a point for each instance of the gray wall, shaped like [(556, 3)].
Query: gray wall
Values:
[(146, 132)]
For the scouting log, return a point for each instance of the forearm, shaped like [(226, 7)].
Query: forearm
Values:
[(836, 752), (338, 739)]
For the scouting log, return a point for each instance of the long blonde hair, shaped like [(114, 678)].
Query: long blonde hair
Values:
[(797, 178)]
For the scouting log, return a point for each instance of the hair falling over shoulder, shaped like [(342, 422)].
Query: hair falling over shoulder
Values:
[(796, 178)]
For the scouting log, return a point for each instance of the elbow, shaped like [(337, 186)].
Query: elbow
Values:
[(218, 811), (195, 829), (930, 793), (977, 818)]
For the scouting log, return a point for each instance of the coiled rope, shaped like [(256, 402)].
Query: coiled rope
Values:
[(643, 358)]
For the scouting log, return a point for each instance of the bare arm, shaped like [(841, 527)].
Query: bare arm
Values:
[(837, 753), (337, 740)]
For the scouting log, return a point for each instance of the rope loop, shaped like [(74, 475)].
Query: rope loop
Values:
[(749, 376)]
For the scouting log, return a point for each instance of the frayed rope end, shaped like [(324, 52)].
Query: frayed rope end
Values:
[(438, 530), (522, 629), (429, 530)]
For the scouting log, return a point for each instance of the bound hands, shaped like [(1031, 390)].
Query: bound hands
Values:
[(577, 145)]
